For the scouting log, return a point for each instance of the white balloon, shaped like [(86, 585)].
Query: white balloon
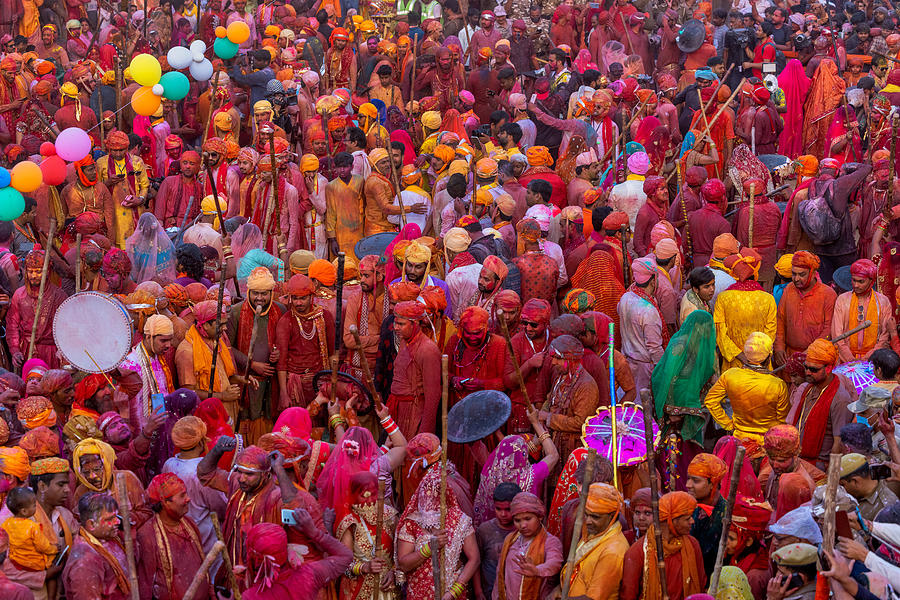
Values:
[(179, 57), (198, 46), (158, 89), (198, 57), (202, 71)]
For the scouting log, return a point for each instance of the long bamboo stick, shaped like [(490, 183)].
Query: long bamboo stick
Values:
[(647, 404), (40, 298), (726, 518), (579, 520), (203, 572), (226, 559), (122, 499)]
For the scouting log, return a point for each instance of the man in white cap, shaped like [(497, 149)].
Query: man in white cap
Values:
[(502, 24), (644, 335)]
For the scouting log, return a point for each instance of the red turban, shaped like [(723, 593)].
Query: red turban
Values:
[(864, 268), (526, 502), (300, 285), (652, 184), (266, 545), (822, 352), (116, 140), (508, 301), (537, 309), (164, 486), (473, 319), (253, 458), (495, 265), (695, 175), (217, 145), (435, 299), (205, 311), (40, 442), (410, 309), (782, 442), (89, 386), (805, 260), (117, 260)]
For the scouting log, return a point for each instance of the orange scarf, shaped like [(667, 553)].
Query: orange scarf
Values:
[(870, 334), (202, 356), (652, 587), (531, 586)]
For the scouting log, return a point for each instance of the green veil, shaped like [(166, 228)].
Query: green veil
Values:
[(686, 366)]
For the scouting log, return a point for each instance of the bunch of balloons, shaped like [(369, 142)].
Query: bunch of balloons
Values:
[(228, 39), (193, 59), (24, 178), (146, 70)]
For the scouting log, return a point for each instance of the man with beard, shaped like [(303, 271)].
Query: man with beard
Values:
[(21, 315), (312, 205), (87, 194), (178, 198), (283, 236), (694, 178), (379, 191), (486, 37), (417, 264), (490, 281), (228, 182), (862, 303), (126, 178), (340, 62), (72, 113), (169, 544), (147, 359), (305, 340), (261, 313), (170, 163), (587, 168), (246, 162), (344, 207), (529, 345), (93, 462), (366, 311), (874, 202), (440, 79), (132, 452), (759, 124), (805, 310), (782, 447), (11, 97), (254, 495), (96, 568)]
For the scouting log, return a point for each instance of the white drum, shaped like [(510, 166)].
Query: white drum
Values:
[(92, 331)]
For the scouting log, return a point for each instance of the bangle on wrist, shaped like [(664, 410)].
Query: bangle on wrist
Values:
[(425, 551)]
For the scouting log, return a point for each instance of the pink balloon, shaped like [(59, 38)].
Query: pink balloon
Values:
[(73, 144)]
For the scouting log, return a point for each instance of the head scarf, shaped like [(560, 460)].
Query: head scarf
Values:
[(14, 461), (822, 352), (782, 442), (603, 499), (709, 466), (107, 456), (164, 486), (188, 432), (526, 502)]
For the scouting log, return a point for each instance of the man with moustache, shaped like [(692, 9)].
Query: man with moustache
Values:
[(178, 198)]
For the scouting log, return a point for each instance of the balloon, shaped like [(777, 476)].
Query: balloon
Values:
[(225, 48), (202, 71), (220, 32), (47, 149), (26, 177), (158, 89), (72, 144), (145, 102), (145, 69), (238, 32), (175, 85), (179, 57), (4, 177), (54, 170), (198, 46), (12, 204)]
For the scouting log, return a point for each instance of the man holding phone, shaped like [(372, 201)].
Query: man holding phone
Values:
[(866, 483), (795, 578)]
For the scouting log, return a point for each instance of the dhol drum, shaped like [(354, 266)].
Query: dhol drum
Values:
[(92, 331)]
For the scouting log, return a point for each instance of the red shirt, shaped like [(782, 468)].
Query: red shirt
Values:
[(764, 52)]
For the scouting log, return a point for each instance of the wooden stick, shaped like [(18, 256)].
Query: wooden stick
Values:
[(226, 559), (622, 132), (834, 476), (396, 177), (254, 332), (367, 372), (122, 499), (722, 108), (752, 200), (40, 298), (77, 263), (102, 372), (625, 27), (612, 403), (445, 394), (504, 326), (579, 520), (379, 528), (203, 572), (270, 207), (726, 518), (436, 566), (339, 303), (212, 106), (120, 116), (654, 490)]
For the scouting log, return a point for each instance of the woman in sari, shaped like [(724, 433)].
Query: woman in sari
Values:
[(748, 484), (151, 251), (612, 52), (744, 165), (824, 96), (218, 423), (843, 141), (678, 382)]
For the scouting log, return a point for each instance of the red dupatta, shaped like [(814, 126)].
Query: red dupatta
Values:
[(814, 426)]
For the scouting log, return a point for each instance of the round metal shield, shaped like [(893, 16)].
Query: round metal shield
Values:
[(325, 375), (92, 331), (477, 416), (773, 161), (374, 244), (691, 36)]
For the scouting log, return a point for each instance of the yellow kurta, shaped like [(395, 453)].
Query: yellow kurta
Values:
[(598, 565), (759, 401), (344, 212), (125, 220), (739, 313)]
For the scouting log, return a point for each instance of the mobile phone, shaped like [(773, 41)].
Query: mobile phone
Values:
[(880, 471), (533, 98), (287, 517), (157, 402), (795, 582), (842, 525)]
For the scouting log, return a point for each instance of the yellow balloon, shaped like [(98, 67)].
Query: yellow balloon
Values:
[(26, 177), (145, 69), (221, 32), (145, 102), (238, 32)]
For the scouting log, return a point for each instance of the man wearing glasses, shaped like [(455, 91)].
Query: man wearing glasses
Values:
[(822, 410), (859, 305)]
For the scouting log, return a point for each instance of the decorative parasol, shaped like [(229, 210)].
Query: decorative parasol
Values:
[(632, 449), (861, 374)]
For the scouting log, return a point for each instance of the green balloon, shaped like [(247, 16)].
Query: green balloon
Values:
[(225, 48), (175, 85), (12, 204)]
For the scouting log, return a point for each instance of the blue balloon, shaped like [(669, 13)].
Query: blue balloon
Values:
[(5, 177), (225, 48), (175, 85), (12, 204)]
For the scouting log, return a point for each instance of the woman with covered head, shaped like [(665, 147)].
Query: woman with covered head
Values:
[(683, 559), (151, 251)]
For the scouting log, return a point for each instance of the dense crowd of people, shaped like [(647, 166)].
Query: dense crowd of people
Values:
[(373, 211)]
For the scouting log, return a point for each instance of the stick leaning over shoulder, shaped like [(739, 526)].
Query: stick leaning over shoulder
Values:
[(364, 363), (726, 518), (579, 519), (647, 405), (438, 579), (40, 297), (501, 316), (124, 507), (226, 559), (203, 571)]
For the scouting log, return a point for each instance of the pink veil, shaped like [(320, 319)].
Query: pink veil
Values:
[(612, 52), (583, 61), (410, 232), (151, 251), (409, 155), (356, 451), (245, 238), (748, 485), (795, 85)]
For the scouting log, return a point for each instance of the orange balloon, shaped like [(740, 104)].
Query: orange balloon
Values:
[(221, 32), (26, 177), (238, 32), (145, 102)]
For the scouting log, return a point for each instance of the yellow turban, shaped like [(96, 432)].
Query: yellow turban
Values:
[(783, 266), (262, 106), (457, 240), (107, 456), (417, 253), (757, 347), (410, 175), (431, 119), (459, 167), (309, 162), (376, 155), (14, 461), (158, 325), (208, 208), (539, 156), (506, 204), (603, 499), (69, 89), (260, 280), (109, 78), (484, 197), (223, 121), (368, 110)]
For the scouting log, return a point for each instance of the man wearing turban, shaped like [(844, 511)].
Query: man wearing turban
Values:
[(822, 410), (366, 311), (179, 195), (806, 307), (758, 400), (125, 175), (540, 167), (305, 340), (599, 558), (742, 309), (345, 203), (691, 191), (87, 194), (861, 304), (417, 267), (540, 273), (146, 359), (379, 194), (529, 343), (281, 212), (643, 329), (490, 281), (340, 62), (766, 221), (596, 341), (652, 212), (259, 312), (685, 573), (21, 315), (704, 474), (782, 447)]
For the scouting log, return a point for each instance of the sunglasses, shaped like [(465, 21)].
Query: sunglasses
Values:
[(529, 323), (812, 369)]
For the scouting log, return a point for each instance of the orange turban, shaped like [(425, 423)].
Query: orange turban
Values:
[(188, 432), (323, 271), (40, 442), (603, 499), (805, 260), (724, 245), (14, 461), (822, 352), (435, 299), (444, 153), (403, 290), (539, 156), (709, 466), (36, 411), (674, 505), (300, 285), (486, 167), (809, 165)]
